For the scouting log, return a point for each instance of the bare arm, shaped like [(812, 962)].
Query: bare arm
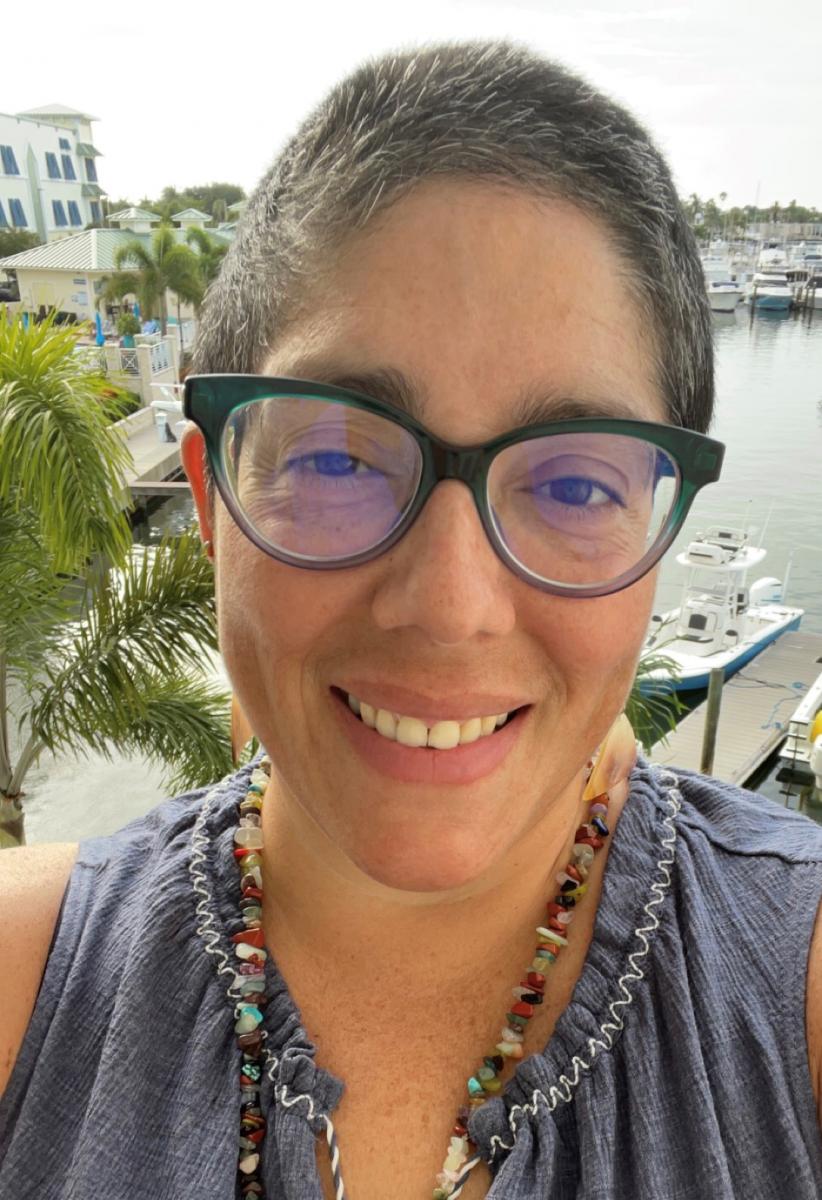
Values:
[(32, 882)]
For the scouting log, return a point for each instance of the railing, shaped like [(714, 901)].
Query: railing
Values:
[(159, 357)]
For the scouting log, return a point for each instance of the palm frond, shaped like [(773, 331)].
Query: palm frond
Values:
[(157, 615), (653, 707), (183, 725), (34, 604), (59, 456)]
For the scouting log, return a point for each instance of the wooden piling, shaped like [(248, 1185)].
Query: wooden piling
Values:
[(715, 682)]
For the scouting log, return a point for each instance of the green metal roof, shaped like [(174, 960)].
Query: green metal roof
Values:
[(190, 213), (92, 250), (91, 189), (87, 150), (134, 214)]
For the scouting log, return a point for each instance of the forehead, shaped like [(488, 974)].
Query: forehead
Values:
[(479, 309)]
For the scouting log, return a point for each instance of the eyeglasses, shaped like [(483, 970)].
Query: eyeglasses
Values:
[(322, 477)]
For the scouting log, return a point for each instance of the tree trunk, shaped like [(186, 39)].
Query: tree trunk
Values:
[(12, 822)]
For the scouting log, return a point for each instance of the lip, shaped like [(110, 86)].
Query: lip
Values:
[(407, 764), (397, 699)]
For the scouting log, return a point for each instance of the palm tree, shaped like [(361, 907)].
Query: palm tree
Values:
[(99, 649), (210, 254), (165, 266)]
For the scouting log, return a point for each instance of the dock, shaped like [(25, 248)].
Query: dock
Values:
[(757, 705)]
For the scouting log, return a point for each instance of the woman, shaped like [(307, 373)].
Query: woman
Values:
[(463, 247)]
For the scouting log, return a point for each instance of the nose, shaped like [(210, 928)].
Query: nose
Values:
[(444, 576)]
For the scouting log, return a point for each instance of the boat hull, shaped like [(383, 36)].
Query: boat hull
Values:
[(726, 302), (773, 303), (695, 676)]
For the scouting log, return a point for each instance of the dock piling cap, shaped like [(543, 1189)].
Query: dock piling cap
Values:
[(816, 728)]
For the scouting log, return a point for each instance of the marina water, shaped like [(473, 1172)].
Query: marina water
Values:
[(769, 412)]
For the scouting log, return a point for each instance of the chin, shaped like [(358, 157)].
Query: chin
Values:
[(438, 861)]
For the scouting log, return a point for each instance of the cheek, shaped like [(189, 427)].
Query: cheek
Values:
[(273, 619), (596, 643)]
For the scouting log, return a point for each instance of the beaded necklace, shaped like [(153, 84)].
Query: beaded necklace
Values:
[(486, 1081)]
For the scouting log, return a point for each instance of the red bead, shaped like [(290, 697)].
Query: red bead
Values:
[(460, 1130), (256, 1136), (556, 925), (574, 873), (253, 891), (589, 841), (254, 937), (553, 909), (521, 1009), (534, 980), (602, 798), (241, 852)]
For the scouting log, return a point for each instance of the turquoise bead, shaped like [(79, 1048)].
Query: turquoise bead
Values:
[(475, 1088)]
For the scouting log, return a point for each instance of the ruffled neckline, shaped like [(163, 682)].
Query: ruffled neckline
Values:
[(636, 879)]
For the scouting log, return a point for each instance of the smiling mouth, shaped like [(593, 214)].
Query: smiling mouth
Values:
[(412, 732)]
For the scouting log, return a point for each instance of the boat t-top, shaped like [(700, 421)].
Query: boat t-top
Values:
[(721, 621)]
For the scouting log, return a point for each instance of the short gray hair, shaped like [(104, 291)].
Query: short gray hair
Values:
[(479, 110)]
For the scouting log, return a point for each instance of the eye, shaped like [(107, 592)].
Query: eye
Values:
[(332, 463), (577, 491)]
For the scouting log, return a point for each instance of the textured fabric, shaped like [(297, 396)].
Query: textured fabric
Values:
[(678, 1071)]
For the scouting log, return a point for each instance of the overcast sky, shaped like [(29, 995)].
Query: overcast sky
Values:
[(192, 93)]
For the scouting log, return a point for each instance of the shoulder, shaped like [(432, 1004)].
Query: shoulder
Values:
[(775, 857), (731, 820), (64, 909), (33, 881), (813, 1011)]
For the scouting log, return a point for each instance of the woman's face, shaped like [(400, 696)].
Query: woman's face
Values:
[(479, 297)]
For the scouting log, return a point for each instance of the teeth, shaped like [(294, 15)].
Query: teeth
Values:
[(386, 724), (445, 735), (410, 731)]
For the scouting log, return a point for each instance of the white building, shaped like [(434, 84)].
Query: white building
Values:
[(48, 172)]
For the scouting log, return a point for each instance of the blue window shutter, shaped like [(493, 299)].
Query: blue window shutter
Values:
[(91, 171), (74, 213), (59, 212), (95, 210), (51, 166), (9, 161), (64, 143), (18, 217), (68, 167), (3, 221)]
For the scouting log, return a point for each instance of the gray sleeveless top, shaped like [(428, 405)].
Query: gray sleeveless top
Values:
[(678, 1071)]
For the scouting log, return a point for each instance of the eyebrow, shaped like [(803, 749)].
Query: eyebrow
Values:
[(537, 405)]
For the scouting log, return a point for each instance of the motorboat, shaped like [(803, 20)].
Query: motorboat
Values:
[(723, 288), (724, 295), (721, 621), (770, 290), (801, 752)]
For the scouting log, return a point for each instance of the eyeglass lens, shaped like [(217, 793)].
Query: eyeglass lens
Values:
[(325, 481)]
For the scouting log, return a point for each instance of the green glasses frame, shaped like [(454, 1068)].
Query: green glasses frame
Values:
[(210, 400)]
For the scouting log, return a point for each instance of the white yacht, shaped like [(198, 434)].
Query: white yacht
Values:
[(720, 622), (723, 288)]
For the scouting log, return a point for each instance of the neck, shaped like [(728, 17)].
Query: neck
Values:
[(315, 897)]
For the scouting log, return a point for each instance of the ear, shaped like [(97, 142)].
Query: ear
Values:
[(192, 453)]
